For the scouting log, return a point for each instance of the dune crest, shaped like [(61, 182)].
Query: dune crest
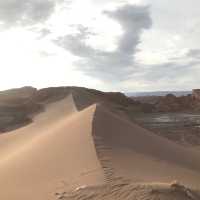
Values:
[(64, 150), (54, 152)]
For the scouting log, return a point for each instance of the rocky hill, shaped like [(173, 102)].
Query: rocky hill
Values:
[(18, 106), (172, 103)]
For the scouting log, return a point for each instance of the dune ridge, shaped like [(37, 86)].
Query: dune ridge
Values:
[(68, 149), (55, 151)]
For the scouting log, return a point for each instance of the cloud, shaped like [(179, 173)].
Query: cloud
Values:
[(76, 43), (25, 12), (133, 20), (178, 74), (170, 71), (44, 32), (118, 64), (194, 53)]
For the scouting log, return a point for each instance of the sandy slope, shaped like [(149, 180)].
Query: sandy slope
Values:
[(65, 149), (55, 151), (135, 153), (121, 189)]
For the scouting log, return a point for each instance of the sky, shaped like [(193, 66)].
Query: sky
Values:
[(110, 45)]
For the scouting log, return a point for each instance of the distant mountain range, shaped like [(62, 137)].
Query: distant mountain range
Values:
[(158, 93)]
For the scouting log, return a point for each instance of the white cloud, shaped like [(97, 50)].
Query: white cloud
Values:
[(23, 64), (23, 12), (112, 65), (168, 51)]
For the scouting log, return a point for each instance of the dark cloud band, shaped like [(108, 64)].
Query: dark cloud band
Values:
[(25, 12), (119, 63)]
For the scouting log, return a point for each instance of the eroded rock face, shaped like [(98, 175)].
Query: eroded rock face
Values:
[(171, 103), (18, 106), (196, 94)]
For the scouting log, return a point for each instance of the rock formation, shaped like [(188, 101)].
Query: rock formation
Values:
[(196, 94)]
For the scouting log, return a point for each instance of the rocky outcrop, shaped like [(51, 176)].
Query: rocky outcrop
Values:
[(171, 103), (18, 106), (196, 94)]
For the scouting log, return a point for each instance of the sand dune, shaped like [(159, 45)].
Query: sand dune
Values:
[(122, 189), (141, 155), (65, 149), (55, 151)]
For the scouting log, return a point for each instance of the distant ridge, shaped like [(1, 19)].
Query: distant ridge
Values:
[(158, 93)]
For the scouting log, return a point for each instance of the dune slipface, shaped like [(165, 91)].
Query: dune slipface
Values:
[(134, 153), (90, 154)]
